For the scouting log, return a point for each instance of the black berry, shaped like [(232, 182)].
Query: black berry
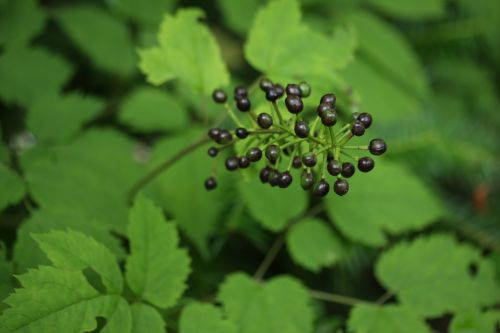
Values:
[(212, 151), (329, 118), (347, 169), (272, 153), (254, 154), (264, 120), (243, 104), (305, 89), (213, 133), (296, 162), (301, 129), (341, 186), (377, 147), (241, 132), (329, 98), (224, 137), (265, 84), (219, 96), (272, 94), (357, 128), (210, 183), (329, 156), (232, 163), (322, 108), (264, 174), (334, 167), (294, 104), (366, 164), (309, 160), (274, 178), (306, 180), (293, 89), (322, 188), (279, 89), (365, 119), (243, 162), (285, 179), (240, 92)]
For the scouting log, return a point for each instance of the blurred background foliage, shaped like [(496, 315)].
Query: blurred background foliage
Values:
[(80, 124)]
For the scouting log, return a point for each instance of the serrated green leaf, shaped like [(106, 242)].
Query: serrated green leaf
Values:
[(55, 118), (147, 14), (106, 40), (279, 305), (29, 73), (199, 317), (146, 319), (57, 300), (313, 245), (394, 198), (411, 10), (271, 207), (150, 109), (76, 251), (187, 51), (20, 21), (157, 268), (431, 276), (475, 321), (12, 186), (366, 318)]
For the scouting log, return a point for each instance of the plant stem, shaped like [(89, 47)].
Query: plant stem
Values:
[(356, 147), (270, 256), (277, 110), (384, 298), (232, 115), (335, 298)]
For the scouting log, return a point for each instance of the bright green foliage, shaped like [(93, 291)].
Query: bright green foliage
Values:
[(187, 51), (12, 187), (313, 245), (434, 275), (57, 298), (53, 117), (411, 10), (280, 45), (156, 268), (239, 15), (279, 305), (475, 321), (149, 109), (146, 319), (29, 73), (199, 317), (366, 318), (102, 37), (147, 14), (271, 210), (394, 206), (20, 21), (73, 250)]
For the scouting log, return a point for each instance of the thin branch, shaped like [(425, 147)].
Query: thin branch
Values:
[(384, 298), (270, 256), (165, 165), (335, 298)]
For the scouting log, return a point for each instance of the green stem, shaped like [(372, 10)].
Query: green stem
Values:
[(356, 147), (278, 112), (232, 115)]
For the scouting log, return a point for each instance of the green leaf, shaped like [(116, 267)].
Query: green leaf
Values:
[(366, 318), (146, 319), (6, 282), (106, 40), (150, 109), (313, 245), (434, 275), (12, 186), (187, 51), (273, 211), (239, 15), (394, 197), (147, 14), (199, 317), (29, 73), (57, 300), (20, 21), (55, 118), (411, 10), (475, 321), (76, 251), (157, 268), (279, 305)]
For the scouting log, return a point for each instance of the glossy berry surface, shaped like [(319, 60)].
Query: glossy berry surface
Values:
[(366, 164), (306, 180), (219, 96), (301, 129), (243, 162), (365, 119), (272, 153), (322, 108), (347, 169), (241, 132), (309, 160), (329, 118), (224, 137), (341, 187), (254, 154), (272, 94), (265, 84), (212, 151), (264, 174), (321, 188), (243, 104), (296, 163), (240, 92), (358, 128), (305, 89), (274, 178), (285, 179), (293, 89), (329, 98), (279, 90), (264, 120), (210, 183), (232, 163), (377, 147), (213, 133), (334, 167), (294, 104)]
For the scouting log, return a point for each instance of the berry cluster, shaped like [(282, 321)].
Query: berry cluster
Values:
[(313, 147)]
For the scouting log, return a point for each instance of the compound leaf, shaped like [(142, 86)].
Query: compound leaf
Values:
[(146, 319)]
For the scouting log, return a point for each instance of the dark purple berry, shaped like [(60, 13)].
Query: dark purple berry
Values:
[(293, 89), (219, 96), (210, 183), (306, 180), (213, 133), (341, 186), (347, 169), (377, 147), (366, 164), (294, 104), (305, 89), (272, 153), (322, 188), (265, 84), (322, 108), (224, 137), (329, 98), (279, 90), (264, 174), (365, 119), (329, 156), (301, 129), (254, 154), (274, 178), (241, 132), (309, 160), (240, 92), (296, 162), (232, 163), (264, 120), (243, 104), (212, 151), (285, 179), (243, 162), (334, 167), (357, 128), (329, 118), (272, 94)]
